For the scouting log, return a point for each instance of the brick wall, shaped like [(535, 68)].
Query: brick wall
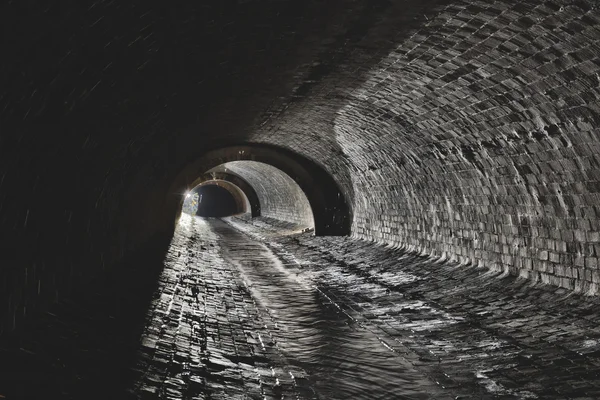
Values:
[(458, 128), (102, 106), (474, 138), (280, 197)]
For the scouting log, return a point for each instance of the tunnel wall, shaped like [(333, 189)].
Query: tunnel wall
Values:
[(475, 138), (102, 106), (331, 212), (493, 138), (464, 128), (280, 197)]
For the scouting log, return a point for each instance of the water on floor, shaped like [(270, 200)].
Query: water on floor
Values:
[(260, 329), (293, 316)]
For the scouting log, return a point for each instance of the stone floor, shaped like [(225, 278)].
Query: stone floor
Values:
[(283, 314)]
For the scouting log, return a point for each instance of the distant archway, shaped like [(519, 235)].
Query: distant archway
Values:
[(216, 201), (238, 182), (280, 197), (332, 213)]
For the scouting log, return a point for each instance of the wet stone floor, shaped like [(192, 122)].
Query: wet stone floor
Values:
[(278, 315)]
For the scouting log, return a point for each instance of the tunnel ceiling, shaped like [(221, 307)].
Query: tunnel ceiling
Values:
[(465, 129), (280, 197)]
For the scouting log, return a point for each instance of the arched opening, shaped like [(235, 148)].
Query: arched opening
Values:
[(215, 201), (229, 200), (280, 197), (330, 211), (236, 185)]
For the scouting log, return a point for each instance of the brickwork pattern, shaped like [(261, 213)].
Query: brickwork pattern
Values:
[(101, 111), (480, 334), (280, 197), (464, 129), (219, 345), (474, 139)]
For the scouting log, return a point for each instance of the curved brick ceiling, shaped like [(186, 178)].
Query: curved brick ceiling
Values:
[(474, 138), (219, 200), (280, 197), (464, 129)]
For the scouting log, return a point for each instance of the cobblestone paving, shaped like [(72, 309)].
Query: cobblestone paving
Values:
[(303, 317), (213, 345), (480, 334)]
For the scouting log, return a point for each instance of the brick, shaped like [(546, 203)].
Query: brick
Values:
[(591, 262), (438, 121)]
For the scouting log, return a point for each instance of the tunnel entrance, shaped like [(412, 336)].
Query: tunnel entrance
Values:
[(215, 201), (288, 186), (280, 197), (218, 198), (244, 194)]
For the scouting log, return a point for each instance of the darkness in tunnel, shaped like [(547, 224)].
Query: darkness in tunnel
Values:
[(465, 130), (215, 201)]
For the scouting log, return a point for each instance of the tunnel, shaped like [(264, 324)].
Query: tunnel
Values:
[(300, 199), (240, 189), (216, 201)]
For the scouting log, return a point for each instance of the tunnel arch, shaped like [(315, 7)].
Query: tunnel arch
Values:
[(332, 213), (281, 198), (242, 204), (233, 203), (238, 182)]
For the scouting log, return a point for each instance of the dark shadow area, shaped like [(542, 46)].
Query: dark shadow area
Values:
[(237, 181), (83, 347), (215, 201), (103, 105)]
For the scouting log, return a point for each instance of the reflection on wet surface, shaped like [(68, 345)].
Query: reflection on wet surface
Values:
[(260, 329), (301, 317), (340, 358)]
